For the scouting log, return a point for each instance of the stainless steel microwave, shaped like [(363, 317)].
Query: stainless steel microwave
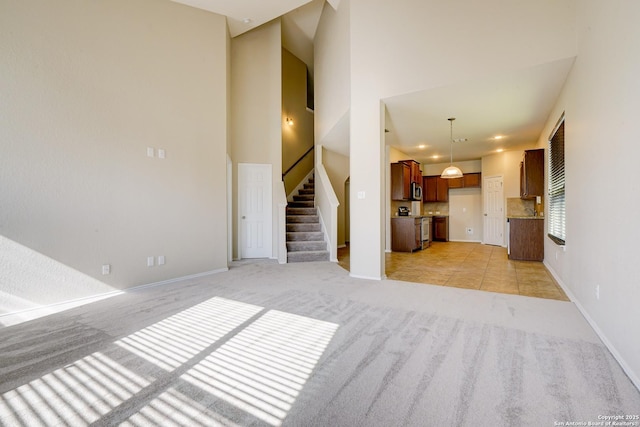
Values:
[(416, 191)]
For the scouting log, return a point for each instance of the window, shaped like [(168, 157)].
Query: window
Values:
[(556, 185)]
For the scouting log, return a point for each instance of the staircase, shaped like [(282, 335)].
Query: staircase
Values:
[(305, 239)]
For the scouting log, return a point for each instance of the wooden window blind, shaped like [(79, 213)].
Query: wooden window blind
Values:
[(557, 211)]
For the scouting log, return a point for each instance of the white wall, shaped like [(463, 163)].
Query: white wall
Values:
[(601, 134), (397, 47), (86, 88), (465, 211), (256, 105)]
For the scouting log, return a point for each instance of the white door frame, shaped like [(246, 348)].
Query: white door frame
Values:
[(485, 232), (267, 231)]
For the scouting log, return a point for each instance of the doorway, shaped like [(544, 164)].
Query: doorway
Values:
[(494, 222), (255, 210)]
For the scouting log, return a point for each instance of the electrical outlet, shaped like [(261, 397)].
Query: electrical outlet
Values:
[(150, 261), (161, 260), (106, 269)]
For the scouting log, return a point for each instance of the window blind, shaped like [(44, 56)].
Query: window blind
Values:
[(557, 212)]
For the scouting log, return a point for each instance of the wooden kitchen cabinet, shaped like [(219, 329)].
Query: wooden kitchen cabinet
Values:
[(526, 239), (406, 234), (400, 181), (472, 180), (440, 228), (435, 189), (532, 174), (416, 173), (468, 180)]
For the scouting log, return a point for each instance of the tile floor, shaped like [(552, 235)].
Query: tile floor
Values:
[(470, 266)]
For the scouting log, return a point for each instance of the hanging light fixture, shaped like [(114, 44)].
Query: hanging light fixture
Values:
[(451, 171)]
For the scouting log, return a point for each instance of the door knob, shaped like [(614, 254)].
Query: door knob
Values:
[(243, 217)]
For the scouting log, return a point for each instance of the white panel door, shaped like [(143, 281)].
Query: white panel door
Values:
[(254, 205), (493, 211)]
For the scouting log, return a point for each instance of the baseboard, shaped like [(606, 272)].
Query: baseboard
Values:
[(614, 352), (177, 279), (465, 241), (357, 276), (32, 313)]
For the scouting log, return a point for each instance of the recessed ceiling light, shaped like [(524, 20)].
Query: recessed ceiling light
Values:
[(421, 146), (435, 156), (500, 150), (247, 21), (498, 137)]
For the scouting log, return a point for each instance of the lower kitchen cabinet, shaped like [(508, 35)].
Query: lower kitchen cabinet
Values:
[(526, 239), (440, 228), (406, 234)]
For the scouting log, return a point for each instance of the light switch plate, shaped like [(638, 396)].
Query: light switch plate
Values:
[(161, 153), (150, 152), (150, 261)]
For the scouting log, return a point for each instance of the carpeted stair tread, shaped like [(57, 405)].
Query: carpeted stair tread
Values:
[(303, 226), (301, 204), (305, 236), (302, 218), (297, 246), (308, 256), (302, 211), (303, 197)]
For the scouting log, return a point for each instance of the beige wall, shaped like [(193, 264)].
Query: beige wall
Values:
[(256, 102), (337, 167), (601, 134), (296, 139), (332, 80), (85, 90)]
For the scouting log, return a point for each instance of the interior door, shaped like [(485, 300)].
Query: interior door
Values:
[(254, 206), (493, 211)]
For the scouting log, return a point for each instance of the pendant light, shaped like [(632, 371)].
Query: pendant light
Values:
[(451, 171)]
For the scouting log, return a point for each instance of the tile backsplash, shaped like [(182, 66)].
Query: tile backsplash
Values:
[(443, 208), (520, 207)]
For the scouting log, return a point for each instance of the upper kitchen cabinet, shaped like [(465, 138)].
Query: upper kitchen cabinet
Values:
[(400, 181), (416, 173), (468, 180), (532, 174), (435, 189)]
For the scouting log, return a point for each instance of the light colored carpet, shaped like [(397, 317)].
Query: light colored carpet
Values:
[(306, 345)]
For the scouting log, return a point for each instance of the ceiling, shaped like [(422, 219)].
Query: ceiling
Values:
[(513, 105), (244, 15)]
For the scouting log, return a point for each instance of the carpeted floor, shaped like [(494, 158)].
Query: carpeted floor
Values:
[(306, 345)]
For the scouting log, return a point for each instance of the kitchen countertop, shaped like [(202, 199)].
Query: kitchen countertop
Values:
[(419, 216), (524, 217)]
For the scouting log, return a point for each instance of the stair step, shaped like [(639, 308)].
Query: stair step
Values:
[(302, 218), (304, 227), (307, 246), (301, 204), (309, 186), (308, 256), (302, 211), (305, 191), (303, 197), (297, 236)]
